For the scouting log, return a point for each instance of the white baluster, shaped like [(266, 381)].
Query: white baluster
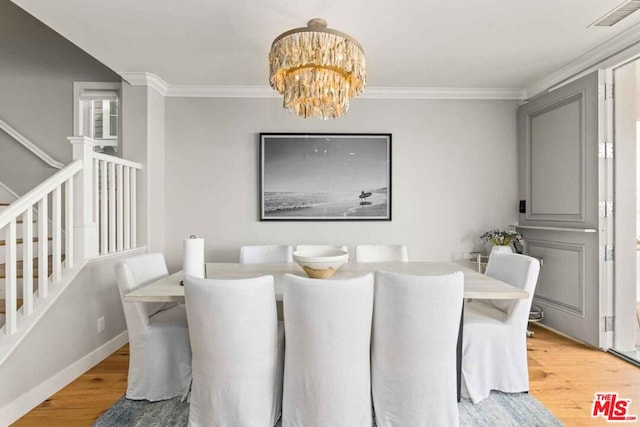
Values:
[(43, 249), (68, 223), (112, 207), (119, 207), (134, 220), (27, 261), (96, 191), (56, 202), (11, 281), (127, 208), (104, 238)]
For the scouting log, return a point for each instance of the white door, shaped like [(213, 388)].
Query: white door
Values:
[(627, 127), (558, 142)]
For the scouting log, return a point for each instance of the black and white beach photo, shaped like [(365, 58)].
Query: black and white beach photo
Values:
[(325, 176)]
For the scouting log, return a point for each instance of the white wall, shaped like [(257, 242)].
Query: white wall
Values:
[(625, 207), (454, 174)]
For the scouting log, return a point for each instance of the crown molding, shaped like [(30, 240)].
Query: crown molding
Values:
[(442, 93), (368, 93), (608, 54), (146, 79), (188, 91)]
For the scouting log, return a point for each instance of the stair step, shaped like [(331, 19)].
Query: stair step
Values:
[(3, 305), (20, 241), (20, 271)]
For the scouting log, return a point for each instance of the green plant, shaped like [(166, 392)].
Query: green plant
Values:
[(502, 237)]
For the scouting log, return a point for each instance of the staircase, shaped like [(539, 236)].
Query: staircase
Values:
[(84, 211), (59, 244), (20, 275), (4, 204), (20, 263)]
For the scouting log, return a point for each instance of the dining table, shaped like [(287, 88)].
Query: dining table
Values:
[(476, 285)]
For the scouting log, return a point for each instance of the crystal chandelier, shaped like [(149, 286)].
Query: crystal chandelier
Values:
[(317, 70)]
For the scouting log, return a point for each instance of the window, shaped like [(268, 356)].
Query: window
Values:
[(97, 114), (104, 122)]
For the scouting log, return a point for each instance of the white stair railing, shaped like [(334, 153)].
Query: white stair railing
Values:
[(116, 205), (23, 208), (107, 206), (97, 215)]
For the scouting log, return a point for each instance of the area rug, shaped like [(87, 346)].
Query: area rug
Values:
[(499, 409)]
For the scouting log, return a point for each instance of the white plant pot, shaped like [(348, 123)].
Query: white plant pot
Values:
[(504, 249)]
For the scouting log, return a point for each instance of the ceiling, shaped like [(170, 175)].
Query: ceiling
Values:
[(426, 43)]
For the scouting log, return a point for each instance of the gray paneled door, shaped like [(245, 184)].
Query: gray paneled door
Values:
[(558, 177)]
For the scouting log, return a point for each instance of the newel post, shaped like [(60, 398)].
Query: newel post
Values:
[(85, 220)]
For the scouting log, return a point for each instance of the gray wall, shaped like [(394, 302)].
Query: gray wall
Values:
[(68, 330), (143, 142), (454, 174), (37, 71), (155, 171)]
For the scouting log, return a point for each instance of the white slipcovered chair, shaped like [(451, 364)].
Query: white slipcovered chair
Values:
[(238, 352), (416, 320), (327, 377), (321, 247), (494, 349), (264, 254), (160, 353), (381, 253)]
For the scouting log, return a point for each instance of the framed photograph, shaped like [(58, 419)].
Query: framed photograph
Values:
[(325, 177)]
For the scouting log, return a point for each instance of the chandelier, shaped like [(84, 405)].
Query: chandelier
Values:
[(317, 70)]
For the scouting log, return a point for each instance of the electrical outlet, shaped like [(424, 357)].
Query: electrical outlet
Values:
[(101, 324)]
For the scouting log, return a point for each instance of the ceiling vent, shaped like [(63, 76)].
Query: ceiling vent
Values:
[(618, 14)]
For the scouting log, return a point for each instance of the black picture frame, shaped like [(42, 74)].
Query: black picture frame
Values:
[(325, 176)]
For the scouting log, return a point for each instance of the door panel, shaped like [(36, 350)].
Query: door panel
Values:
[(558, 159), (568, 285), (556, 182), (558, 156), (565, 264)]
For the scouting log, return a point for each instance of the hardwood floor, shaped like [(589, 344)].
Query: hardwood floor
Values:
[(564, 376), (85, 399)]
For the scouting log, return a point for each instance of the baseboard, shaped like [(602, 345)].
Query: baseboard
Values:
[(562, 334), (12, 411)]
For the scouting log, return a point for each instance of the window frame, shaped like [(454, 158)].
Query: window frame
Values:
[(79, 89)]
